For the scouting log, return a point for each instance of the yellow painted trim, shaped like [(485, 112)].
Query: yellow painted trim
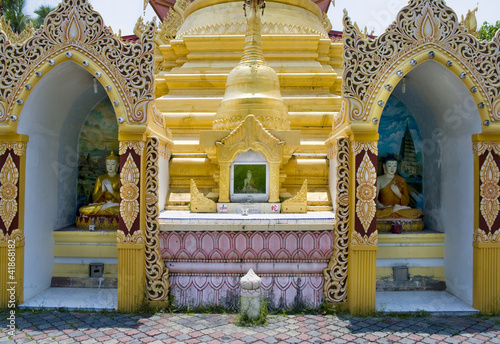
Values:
[(85, 236), (410, 252), (411, 238), (436, 272), (82, 270), (76, 250)]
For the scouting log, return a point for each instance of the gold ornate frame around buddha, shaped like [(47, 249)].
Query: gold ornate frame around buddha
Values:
[(75, 32), (422, 30)]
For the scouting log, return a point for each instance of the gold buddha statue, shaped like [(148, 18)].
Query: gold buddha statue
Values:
[(106, 196), (392, 194)]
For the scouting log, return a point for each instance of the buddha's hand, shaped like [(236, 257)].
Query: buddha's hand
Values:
[(396, 190), (107, 186)]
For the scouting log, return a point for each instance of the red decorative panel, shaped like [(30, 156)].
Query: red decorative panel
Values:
[(306, 246), (489, 189), (366, 187), (9, 191), (130, 185)]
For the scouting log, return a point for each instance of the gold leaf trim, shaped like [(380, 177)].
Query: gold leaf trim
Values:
[(481, 236), (19, 148), (137, 146), (156, 272), (359, 240), (335, 286), (135, 238)]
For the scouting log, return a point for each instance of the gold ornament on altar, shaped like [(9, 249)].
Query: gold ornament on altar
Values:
[(106, 195)]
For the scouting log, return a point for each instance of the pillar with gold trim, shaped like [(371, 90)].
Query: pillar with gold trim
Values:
[(486, 244), (130, 235), (362, 224), (12, 167)]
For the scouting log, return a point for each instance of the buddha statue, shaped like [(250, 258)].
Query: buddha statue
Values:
[(106, 196), (392, 194)]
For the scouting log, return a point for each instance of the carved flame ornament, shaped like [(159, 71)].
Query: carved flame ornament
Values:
[(9, 176)]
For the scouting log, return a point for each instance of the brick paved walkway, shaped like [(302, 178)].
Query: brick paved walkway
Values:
[(35, 326)]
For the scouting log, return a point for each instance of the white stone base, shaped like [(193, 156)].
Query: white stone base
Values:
[(248, 208)]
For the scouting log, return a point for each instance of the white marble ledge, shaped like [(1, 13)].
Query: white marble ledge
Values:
[(172, 217)]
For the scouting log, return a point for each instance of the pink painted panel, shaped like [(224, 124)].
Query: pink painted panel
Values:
[(248, 246), (283, 292)]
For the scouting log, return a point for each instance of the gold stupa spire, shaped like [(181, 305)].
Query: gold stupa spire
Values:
[(252, 87)]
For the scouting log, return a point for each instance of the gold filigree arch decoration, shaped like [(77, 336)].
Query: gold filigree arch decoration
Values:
[(423, 30), (75, 32)]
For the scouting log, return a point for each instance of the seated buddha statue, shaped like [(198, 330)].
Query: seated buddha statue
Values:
[(106, 196), (392, 194)]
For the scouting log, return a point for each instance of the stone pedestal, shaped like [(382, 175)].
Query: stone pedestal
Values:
[(250, 296)]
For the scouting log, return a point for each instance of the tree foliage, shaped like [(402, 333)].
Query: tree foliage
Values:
[(13, 12), (488, 31), (41, 13)]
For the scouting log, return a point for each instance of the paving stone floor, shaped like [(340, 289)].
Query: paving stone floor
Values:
[(53, 326)]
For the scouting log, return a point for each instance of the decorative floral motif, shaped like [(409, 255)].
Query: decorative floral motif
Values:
[(18, 147), (359, 240), (335, 287), (9, 176), (490, 238), (156, 272), (135, 238), (489, 190), (421, 24), (366, 177), (137, 146), (129, 192), (74, 25)]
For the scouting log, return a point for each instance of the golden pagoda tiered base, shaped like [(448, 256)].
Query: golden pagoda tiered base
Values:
[(408, 225), (100, 221)]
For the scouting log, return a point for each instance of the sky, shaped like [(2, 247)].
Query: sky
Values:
[(377, 15)]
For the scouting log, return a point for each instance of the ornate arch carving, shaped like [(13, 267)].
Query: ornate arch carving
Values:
[(250, 134), (74, 31), (420, 27)]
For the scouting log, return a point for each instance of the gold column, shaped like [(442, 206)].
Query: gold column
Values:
[(486, 245), (11, 272), (130, 235), (12, 186), (363, 235), (224, 182), (131, 275), (274, 182)]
